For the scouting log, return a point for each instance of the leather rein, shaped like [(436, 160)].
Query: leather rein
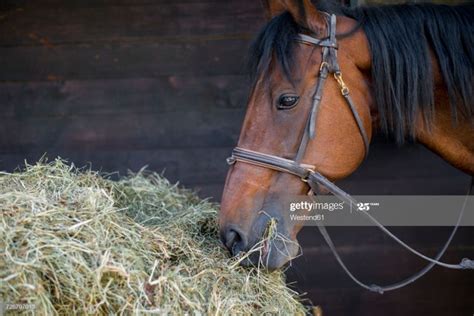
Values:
[(308, 173)]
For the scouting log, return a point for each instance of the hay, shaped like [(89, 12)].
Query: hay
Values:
[(72, 242)]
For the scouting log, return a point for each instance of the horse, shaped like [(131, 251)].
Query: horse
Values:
[(404, 70)]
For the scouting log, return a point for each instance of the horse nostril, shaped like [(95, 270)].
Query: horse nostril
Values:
[(230, 238), (234, 240)]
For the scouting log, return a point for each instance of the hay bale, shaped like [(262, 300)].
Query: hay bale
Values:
[(72, 242)]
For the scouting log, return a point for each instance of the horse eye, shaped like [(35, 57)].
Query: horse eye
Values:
[(286, 102)]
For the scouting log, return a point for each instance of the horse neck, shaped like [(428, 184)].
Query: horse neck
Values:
[(450, 139), (453, 141)]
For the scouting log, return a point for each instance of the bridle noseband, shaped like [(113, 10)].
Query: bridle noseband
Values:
[(308, 173)]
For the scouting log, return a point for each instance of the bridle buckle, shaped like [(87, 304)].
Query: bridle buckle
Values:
[(309, 172), (342, 84), (324, 64), (230, 160)]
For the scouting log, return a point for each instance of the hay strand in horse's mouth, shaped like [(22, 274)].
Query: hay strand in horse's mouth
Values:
[(73, 242), (270, 233)]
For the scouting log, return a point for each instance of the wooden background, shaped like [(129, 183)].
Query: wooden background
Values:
[(125, 83)]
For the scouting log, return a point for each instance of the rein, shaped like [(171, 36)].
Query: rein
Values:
[(308, 174)]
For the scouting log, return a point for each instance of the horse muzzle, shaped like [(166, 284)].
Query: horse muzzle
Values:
[(267, 244)]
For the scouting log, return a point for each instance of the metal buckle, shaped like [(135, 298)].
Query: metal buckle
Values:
[(305, 179), (230, 160), (342, 84), (323, 64)]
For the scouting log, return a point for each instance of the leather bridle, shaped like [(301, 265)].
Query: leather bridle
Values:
[(309, 174)]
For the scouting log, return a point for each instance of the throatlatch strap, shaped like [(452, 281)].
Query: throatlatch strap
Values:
[(358, 120)]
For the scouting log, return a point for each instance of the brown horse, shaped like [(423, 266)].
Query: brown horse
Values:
[(409, 69)]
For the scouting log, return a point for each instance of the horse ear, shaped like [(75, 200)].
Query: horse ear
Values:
[(273, 8), (303, 12)]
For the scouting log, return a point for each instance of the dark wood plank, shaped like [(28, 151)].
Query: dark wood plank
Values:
[(210, 191), (9, 4), (122, 96), (441, 292), (183, 129), (409, 169), (410, 159), (355, 238), (425, 298), (160, 22), (122, 60), (190, 166), (450, 182), (375, 264)]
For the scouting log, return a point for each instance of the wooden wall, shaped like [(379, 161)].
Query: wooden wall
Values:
[(123, 84), (127, 83)]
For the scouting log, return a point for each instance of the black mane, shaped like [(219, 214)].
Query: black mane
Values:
[(400, 38)]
